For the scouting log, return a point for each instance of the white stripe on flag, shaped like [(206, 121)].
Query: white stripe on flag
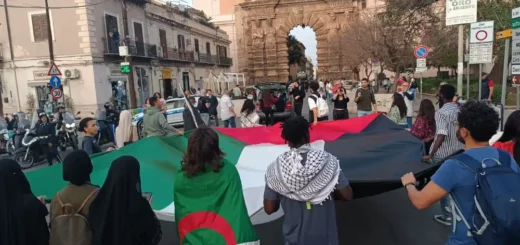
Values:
[(252, 165), (250, 243)]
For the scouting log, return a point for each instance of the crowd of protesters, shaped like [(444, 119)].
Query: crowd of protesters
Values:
[(118, 213)]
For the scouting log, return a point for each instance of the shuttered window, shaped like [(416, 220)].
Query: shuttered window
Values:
[(39, 25)]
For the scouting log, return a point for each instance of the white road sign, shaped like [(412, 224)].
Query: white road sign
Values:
[(481, 53), (460, 12), (421, 63), (515, 45), (482, 32), (515, 53), (420, 69), (515, 13), (515, 69)]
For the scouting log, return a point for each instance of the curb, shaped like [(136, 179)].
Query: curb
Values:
[(507, 107)]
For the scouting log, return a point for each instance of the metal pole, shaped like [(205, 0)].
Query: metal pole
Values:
[(479, 81), (49, 32), (467, 81), (505, 72), (421, 86), (131, 83), (460, 59), (518, 97), (10, 40)]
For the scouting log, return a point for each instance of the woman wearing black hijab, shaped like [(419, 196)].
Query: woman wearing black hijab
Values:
[(120, 215), (77, 168), (22, 215)]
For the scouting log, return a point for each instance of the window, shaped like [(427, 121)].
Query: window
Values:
[(197, 45), (38, 26), (112, 34), (363, 4), (208, 49), (180, 41)]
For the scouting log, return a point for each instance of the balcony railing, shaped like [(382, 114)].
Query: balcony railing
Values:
[(152, 51)]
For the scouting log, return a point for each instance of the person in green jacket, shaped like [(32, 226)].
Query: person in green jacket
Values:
[(154, 122)]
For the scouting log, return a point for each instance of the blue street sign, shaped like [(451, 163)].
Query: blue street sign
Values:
[(421, 52), (55, 81)]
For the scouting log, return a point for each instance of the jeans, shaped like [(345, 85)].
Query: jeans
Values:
[(230, 123), (298, 109), (446, 206), (205, 118), (112, 130), (363, 113), (409, 121)]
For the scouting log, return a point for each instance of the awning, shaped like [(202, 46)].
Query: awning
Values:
[(36, 83)]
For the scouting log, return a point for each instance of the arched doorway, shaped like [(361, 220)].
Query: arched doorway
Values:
[(262, 29)]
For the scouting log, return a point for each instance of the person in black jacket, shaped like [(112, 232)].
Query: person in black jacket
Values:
[(202, 106), (298, 93), (47, 133), (213, 103)]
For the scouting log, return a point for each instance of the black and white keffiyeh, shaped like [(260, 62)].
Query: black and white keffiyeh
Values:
[(311, 182)]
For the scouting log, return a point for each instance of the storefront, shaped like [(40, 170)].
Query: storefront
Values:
[(119, 84), (40, 89)]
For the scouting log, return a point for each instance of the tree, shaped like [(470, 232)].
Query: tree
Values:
[(295, 51), (443, 46)]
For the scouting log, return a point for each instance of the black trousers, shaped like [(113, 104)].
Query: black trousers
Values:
[(51, 153), (268, 112), (340, 114), (298, 109)]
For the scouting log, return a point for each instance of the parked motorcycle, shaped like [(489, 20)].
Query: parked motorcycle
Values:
[(19, 132), (31, 151), (4, 138), (67, 133)]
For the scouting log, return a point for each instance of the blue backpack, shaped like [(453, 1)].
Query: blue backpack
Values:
[(496, 215)]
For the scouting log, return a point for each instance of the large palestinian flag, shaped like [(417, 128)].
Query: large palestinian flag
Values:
[(373, 151)]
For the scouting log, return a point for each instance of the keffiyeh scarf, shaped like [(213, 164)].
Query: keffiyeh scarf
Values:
[(312, 181)]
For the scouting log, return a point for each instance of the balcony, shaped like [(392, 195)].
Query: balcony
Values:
[(205, 58), (225, 61), (110, 47)]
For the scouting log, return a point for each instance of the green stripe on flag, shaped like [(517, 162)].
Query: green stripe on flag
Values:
[(160, 159)]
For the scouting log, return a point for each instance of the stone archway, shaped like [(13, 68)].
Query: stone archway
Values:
[(262, 27)]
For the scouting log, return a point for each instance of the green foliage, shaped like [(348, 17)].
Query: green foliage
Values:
[(431, 86), (295, 51)]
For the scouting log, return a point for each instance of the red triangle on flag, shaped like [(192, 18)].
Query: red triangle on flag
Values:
[(54, 71)]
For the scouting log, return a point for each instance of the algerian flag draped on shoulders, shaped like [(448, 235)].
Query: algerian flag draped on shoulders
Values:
[(210, 209)]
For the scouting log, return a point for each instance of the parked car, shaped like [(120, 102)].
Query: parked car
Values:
[(283, 110), (174, 110)]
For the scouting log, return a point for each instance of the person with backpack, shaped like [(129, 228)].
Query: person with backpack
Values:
[(365, 99), (69, 209), (482, 183), (120, 214), (318, 107), (22, 215)]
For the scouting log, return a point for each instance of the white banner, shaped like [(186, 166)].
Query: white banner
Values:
[(460, 12)]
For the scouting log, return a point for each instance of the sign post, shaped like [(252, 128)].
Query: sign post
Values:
[(481, 42), (460, 12), (515, 51)]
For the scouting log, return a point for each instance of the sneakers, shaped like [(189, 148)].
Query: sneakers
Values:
[(443, 219)]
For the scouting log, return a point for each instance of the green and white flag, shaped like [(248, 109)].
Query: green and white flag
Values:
[(210, 209)]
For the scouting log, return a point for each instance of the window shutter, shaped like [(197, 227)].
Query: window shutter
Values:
[(40, 29)]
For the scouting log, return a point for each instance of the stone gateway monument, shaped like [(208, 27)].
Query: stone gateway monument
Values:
[(262, 27)]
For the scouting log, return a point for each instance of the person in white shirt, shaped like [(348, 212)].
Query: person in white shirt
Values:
[(408, 100), (248, 116), (237, 92), (322, 87), (227, 113)]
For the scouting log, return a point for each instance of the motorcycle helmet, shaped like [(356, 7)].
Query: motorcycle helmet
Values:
[(108, 106)]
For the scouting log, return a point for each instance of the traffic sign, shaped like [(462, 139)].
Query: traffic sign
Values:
[(55, 82), (481, 53), (421, 52), (504, 34), (56, 93), (421, 63), (420, 69), (54, 71), (482, 32), (515, 13), (515, 69)]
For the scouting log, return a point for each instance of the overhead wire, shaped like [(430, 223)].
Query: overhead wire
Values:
[(57, 7)]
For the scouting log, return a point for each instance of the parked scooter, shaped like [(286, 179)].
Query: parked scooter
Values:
[(67, 133), (19, 132), (4, 138)]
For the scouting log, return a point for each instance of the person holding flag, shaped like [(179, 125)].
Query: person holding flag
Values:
[(208, 197)]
